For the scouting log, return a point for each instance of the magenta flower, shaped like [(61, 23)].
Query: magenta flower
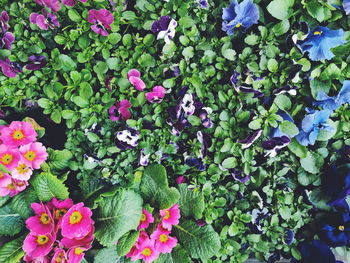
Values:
[(9, 157), (101, 20), (6, 40), (163, 242), (70, 243), (77, 222), (181, 179), (72, 2), (170, 216), (75, 255), (4, 18), (10, 69), (134, 77), (157, 95), (36, 245), (59, 256), (18, 133), (53, 5), (146, 219), (36, 62), (134, 251), (33, 154), (60, 208), (42, 222), (44, 21), (147, 251), (120, 111)]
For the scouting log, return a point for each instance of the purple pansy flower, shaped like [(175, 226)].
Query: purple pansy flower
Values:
[(172, 72), (127, 139), (144, 157), (247, 142), (45, 20), (72, 2), (4, 18), (239, 88), (120, 111), (54, 5), (195, 162), (164, 28), (239, 176), (291, 90), (36, 62), (157, 95), (101, 20), (6, 40), (10, 69), (275, 144)]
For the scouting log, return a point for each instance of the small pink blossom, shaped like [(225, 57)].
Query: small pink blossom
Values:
[(77, 222), (9, 157), (146, 219), (75, 255), (120, 111), (45, 20), (59, 256), (170, 216), (134, 252), (181, 179), (10, 186), (101, 20), (54, 5), (147, 251), (83, 242), (42, 222), (33, 154), (18, 133), (22, 172), (38, 245), (60, 208), (134, 77), (163, 242), (72, 2), (157, 95), (43, 259)]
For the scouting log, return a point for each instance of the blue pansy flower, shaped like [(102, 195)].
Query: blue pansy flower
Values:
[(333, 103), (320, 41), (346, 6), (311, 125), (237, 15), (316, 252)]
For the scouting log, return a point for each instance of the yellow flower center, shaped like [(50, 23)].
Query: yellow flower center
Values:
[(341, 228), (22, 168), (6, 158), (317, 32), (11, 186), (75, 218), (59, 257), (1, 175), (30, 155), (17, 135), (167, 215), (45, 219), (238, 25), (143, 218), (146, 252), (163, 238), (42, 239), (60, 213), (78, 251), (20, 183)]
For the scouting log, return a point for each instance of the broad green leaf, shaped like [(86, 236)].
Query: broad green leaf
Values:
[(312, 163), (109, 255), (298, 149), (11, 223), (21, 203), (230, 162), (280, 9), (281, 28), (11, 252), (68, 63), (85, 91), (58, 159), (154, 187), (126, 242), (164, 258), (74, 15), (116, 215), (180, 255), (191, 202), (200, 242), (48, 186), (289, 128), (283, 102)]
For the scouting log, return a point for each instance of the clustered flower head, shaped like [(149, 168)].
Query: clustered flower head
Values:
[(20, 154), (149, 247), (59, 232)]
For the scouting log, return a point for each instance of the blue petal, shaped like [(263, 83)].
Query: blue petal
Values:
[(346, 6), (322, 116), (313, 136), (308, 122), (247, 13), (344, 94), (326, 102), (229, 12), (303, 138)]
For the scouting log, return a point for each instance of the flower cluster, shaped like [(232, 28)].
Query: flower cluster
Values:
[(20, 153), (150, 247), (60, 231)]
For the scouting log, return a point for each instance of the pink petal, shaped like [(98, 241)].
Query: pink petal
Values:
[(134, 73), (137, 83)]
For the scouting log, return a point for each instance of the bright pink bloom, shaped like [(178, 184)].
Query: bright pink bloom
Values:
[(59, 256), (157, 95), (9, 157), (84, 242), (45, 20), (101, 20), (170, 216), (10, 186), (120, 111), (163, 242), (148, 252), (38, 245), (134, 252), (42, 222), (60, 208), (134, 77), (77, 222), (72, 2), (33, 154), (22, 172), (18, 133), (181, 179), (134, 73), (75, 255), (146, 219), (54, 5), (44, 259)]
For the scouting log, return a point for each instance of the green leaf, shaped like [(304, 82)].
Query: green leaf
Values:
[(191, 202), (272, 65), (116, 215), (316, 10), (186, 22), (281, 28), (298, 149), (164, 258), (79, 101), (74, 15), (280, 9), (229, 54), (56, 116), (109, 255), (67, 114), (312, 163), (68, 63), (319, 85), (146, 60), (58, 159), (180, 255), (10, 222), (289, 128), (21, 203), (48, 186), (11, 252), (188, 52), (113, 63), (230, 162), (85, 91), (200, 242), (283, 102), (126, 242), (101, 68), (155, 189), (44, 103)]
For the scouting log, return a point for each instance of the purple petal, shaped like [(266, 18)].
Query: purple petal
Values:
[(250, 139)]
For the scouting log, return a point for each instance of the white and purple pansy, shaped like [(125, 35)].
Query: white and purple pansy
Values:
[(36, 62), (144, 157), (291, 90), (274, 145), (165, 28), (235, 78), (247, 142), (127, 139)]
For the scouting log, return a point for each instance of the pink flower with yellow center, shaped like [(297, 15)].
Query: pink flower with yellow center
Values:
[(163, 242), (22, 172), (44, 259), (148, 252), (75, 255), (9, 157), (170, 216), (10, 186), (36, 245), (146, 219), (42, 222), (18, 133), (77, 222), (83, 242), (33, 154), (134, 251), (60, 256)]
